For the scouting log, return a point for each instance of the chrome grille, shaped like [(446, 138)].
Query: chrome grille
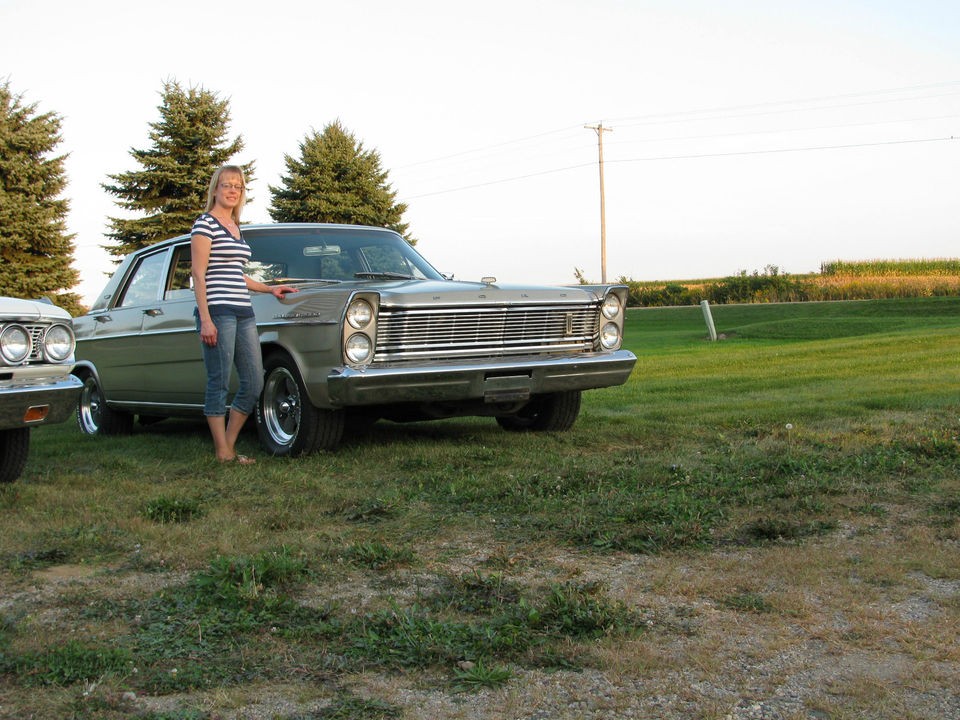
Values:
[(36, 340), (443, 333)]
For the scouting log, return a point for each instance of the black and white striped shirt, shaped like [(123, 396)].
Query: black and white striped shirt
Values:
[(226, 290)]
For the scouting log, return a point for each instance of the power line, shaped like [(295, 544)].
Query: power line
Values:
[(680, 157), (484, 148), (787, 150), (498, 182), (808, 128), (803, 101), (511, 148), (680, 116)]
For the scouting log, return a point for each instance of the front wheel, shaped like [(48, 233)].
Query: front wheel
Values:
[(545, 413), (14, 448), (93, 415), (287, 422)]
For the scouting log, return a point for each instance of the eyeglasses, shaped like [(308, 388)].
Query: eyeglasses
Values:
[(231, 186)]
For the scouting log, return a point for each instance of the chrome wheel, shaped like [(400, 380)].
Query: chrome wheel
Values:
[(281, 407), (288, 423), (88, 409), (94, 416)]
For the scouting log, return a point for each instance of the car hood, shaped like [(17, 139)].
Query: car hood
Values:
[(434, 292), (30, 310), (483, 293)]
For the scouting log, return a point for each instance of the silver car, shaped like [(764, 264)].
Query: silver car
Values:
[(375, 332), (36, 387)]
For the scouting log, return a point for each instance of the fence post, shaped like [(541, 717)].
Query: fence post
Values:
[(708, 316)]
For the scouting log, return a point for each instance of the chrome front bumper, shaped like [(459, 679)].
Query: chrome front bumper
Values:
[(58, 396), (504, 380)]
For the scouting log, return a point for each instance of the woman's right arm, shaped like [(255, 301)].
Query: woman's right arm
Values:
[(199, 259)]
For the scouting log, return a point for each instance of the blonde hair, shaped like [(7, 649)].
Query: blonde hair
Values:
[(215, 181)]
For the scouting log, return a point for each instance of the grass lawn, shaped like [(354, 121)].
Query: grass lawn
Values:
[(457, 552)]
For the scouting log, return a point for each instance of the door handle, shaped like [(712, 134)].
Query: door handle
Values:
[(153, 312)]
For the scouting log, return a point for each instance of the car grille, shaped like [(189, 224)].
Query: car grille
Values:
[(36, 340), (445, 333)]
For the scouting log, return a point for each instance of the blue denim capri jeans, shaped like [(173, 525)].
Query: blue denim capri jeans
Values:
[(237, 343)]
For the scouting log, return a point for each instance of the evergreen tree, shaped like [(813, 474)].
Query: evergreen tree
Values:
[(335, 180), (170, 189), (36, 251)]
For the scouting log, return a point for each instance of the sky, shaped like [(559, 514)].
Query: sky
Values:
[(737, 135)]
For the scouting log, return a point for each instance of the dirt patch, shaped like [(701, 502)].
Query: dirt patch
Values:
[(857, 624)]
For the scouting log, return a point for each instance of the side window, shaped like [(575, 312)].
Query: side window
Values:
[(179, 286), (143, 287)]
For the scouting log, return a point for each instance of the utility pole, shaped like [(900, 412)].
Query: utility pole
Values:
[(603, 204)]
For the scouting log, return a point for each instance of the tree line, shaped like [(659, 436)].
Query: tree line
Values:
[(332, 179)]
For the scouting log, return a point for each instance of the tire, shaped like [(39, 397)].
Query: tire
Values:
[(287, 423), (14, 448), (555, 412), (93, 415)]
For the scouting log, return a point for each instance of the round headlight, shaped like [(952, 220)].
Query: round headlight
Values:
[(358, 348), (15, 344), (58, 343), (610, 336), (611, 306), (359, 314)]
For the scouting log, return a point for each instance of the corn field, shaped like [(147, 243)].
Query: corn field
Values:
[(839, 280), (940, 267)]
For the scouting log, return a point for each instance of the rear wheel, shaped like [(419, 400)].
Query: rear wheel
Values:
[(93, 415), (287, 423), (14, 448), (545, 413)]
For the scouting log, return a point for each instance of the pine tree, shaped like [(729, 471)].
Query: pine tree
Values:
[(335, 180), (36, 251), (170, 189)]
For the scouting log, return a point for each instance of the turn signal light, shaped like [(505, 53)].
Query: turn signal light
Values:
[(36, 413)]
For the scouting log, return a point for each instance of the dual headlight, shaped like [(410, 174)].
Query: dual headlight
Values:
[(611, 315), (359, 327), (16, 343)]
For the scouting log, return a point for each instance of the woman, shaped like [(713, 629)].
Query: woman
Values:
[(228, 328)]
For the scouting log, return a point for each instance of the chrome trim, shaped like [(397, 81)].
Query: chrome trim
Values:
[(451, 380), (135, 406)]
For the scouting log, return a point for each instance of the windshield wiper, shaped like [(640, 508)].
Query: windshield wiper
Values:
[(286, 281), (384, 274)]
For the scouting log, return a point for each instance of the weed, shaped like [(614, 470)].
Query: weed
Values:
[(370, 511), (475, 676), (34, 559), (583, 612), (247, 579), (66, 664), (172, 510), (769, 530), (475, 593), (353, 708), (748, 602), (378, 556)]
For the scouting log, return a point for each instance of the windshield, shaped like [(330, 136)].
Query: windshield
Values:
[(337, 254)]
